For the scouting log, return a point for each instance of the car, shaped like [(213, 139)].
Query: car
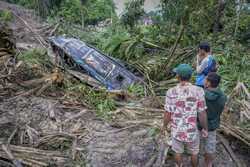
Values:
[(82, 57)]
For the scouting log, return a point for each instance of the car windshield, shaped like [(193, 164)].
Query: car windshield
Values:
[(99, 63)]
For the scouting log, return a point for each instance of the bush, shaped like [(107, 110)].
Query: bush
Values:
[(37, 58), (244, 28), (72, 11), (96, 99), (99, 10), (136, 89)]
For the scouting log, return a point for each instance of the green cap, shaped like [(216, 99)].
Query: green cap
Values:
[(183, 70)]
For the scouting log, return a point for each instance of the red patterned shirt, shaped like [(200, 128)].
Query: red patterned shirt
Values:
[(184, 102)]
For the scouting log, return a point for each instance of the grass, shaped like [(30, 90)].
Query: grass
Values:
[(36, 58), (152, 132), (105, 108), (136, 89), (6, 15), (95, 99)]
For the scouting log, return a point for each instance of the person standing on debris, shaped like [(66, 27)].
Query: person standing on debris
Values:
[(184, 103), (205, 63), (215, 101)]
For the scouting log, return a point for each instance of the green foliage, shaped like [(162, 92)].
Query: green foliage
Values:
[(244, 22), (178, 10), (42, 7), (105, 108), (87, 12), (234, 60), (197, 16), (99, 10), (6, 15), (36, 58), (148, 47), (136, 89), (114, 39), (153, 132), (72, 11), (96, 99), (244, 28)]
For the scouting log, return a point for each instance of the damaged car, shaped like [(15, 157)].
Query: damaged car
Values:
[(84, 58)]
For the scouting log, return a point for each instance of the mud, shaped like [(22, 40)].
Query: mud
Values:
[(99, 143)]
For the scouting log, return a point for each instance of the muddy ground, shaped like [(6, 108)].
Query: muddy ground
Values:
[(74, 133)]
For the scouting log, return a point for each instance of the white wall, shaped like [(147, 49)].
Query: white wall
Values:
[(149, 5)]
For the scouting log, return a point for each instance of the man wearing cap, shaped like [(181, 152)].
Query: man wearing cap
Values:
[(205, 63), (215, 101), (184, 104)]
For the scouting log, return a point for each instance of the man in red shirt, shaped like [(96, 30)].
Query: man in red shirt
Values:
[(184, 104)]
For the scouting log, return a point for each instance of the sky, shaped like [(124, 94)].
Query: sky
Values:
[(148, 5)]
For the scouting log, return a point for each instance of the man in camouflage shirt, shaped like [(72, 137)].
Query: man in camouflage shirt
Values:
[(184, 104)]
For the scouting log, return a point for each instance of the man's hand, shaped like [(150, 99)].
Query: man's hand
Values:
[(165, 129), (204, 133), (200, 57), (203, 120), (162, 131), (168, 128)]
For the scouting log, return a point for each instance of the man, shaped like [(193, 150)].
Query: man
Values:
[(205, 63), (215, 100), (184, 103)]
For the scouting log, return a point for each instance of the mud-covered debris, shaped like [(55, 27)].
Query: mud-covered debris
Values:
[(109, 147)]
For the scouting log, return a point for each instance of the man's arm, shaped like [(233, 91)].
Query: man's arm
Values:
[(202, 116), (167, 118), (202, 113), (198, 60), (201, 66), (168, 109)]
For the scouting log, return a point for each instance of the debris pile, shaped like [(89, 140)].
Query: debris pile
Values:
[(42, 130), (237, 117)]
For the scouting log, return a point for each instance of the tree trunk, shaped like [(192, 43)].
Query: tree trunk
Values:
[(217, 26)]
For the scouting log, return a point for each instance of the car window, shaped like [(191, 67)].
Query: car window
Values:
[(99, 63)]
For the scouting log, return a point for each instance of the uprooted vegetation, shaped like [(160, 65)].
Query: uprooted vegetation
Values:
[(51, 118), (71, 128)]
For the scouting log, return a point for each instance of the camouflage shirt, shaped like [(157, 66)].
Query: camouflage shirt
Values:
[(184, 102)]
